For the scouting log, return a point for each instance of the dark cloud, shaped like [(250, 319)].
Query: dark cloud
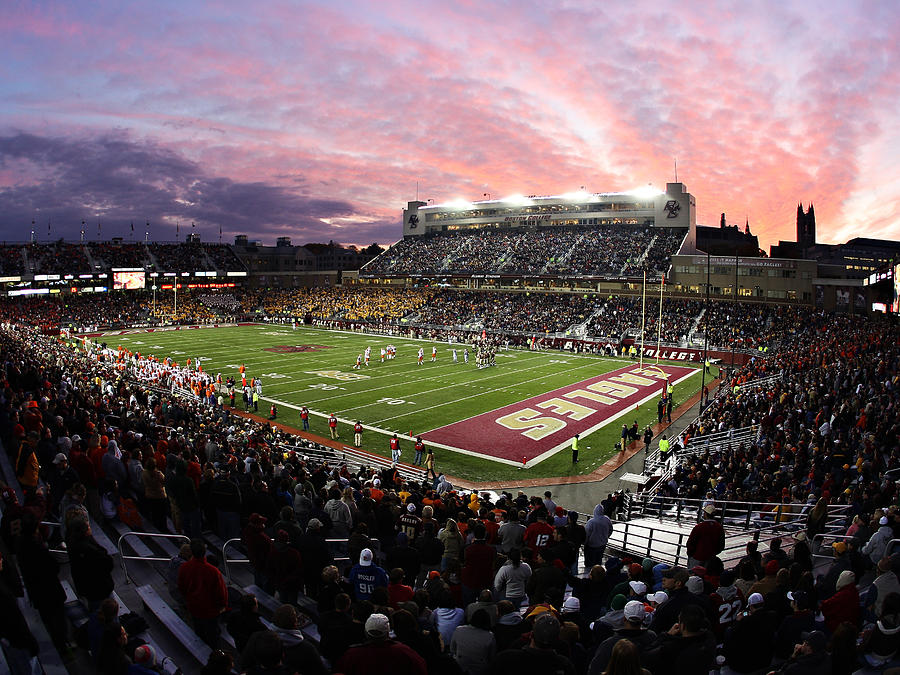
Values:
[(116, 180)]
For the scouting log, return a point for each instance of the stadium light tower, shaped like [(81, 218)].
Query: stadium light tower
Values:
[(705, 336)]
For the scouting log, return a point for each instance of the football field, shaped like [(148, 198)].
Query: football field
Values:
[(482, 423)]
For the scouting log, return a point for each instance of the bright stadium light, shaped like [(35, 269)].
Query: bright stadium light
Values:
[(645, 192), (577, 196), (459, 203), (517, 200)]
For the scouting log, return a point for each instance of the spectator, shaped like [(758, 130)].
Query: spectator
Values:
[(203, 588), (687, 647), (244, 621), (473, 646), (366, 576), (843, 605), (370, 658), (90, 564), (538, 657), (299, 655), (633, 631), (706, 540), (809, 656), (597, 532), (749, 645)]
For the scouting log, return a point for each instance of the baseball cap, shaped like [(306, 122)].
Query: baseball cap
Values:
[(800, 597), (572, 604), (365, 557), (546, 629), (61, 457), (639, 587), (676, 573), (816, 640), (755, 599), (634, 611), (635, 568), (772, 567), (411, 507), (434, 574), (799, 536), (378, 626), (76, 438), (659, 597), (883, 520), (695, 585), (709, 509), (376, 482), (839, 547), (314, 524)]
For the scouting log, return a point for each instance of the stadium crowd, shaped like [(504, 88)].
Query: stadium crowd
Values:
[(434, 580), (604, 250)]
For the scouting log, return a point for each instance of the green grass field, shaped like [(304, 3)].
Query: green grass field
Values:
[(395, 396)]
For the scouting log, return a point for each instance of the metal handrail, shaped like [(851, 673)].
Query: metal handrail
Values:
[(152, 535), (830, 535), (225, 559)]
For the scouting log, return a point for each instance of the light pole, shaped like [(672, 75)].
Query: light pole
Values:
[(705, 335)]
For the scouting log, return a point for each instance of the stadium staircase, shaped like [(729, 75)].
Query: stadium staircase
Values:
[(642, 257), (564, 258)]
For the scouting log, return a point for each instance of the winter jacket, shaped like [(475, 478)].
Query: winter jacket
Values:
[(203, 588), (877, 544), (840, 607)]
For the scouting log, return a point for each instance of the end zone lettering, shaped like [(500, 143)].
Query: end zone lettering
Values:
[(601, 394), (541, 425)]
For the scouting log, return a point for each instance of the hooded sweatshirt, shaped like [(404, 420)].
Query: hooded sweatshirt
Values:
[(598, 528)]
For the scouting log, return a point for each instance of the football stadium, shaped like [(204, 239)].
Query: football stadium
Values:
[(549, 424)]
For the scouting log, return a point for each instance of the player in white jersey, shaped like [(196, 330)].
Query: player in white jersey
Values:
[(466, 355), (433, 353), (421, 357), (368, 354), (454, 355), (358, 363), (382, 354)]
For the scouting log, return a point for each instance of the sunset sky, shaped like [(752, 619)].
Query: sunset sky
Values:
[(316, 120)]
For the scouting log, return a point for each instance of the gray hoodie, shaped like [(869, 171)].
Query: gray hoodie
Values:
[(598, 528)]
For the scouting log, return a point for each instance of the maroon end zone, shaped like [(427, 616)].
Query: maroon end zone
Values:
[(536, 428)]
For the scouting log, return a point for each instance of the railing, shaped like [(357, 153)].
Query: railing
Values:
[(151, 535), (760, 382), (697, 445), (226, 560), (760, 521)]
